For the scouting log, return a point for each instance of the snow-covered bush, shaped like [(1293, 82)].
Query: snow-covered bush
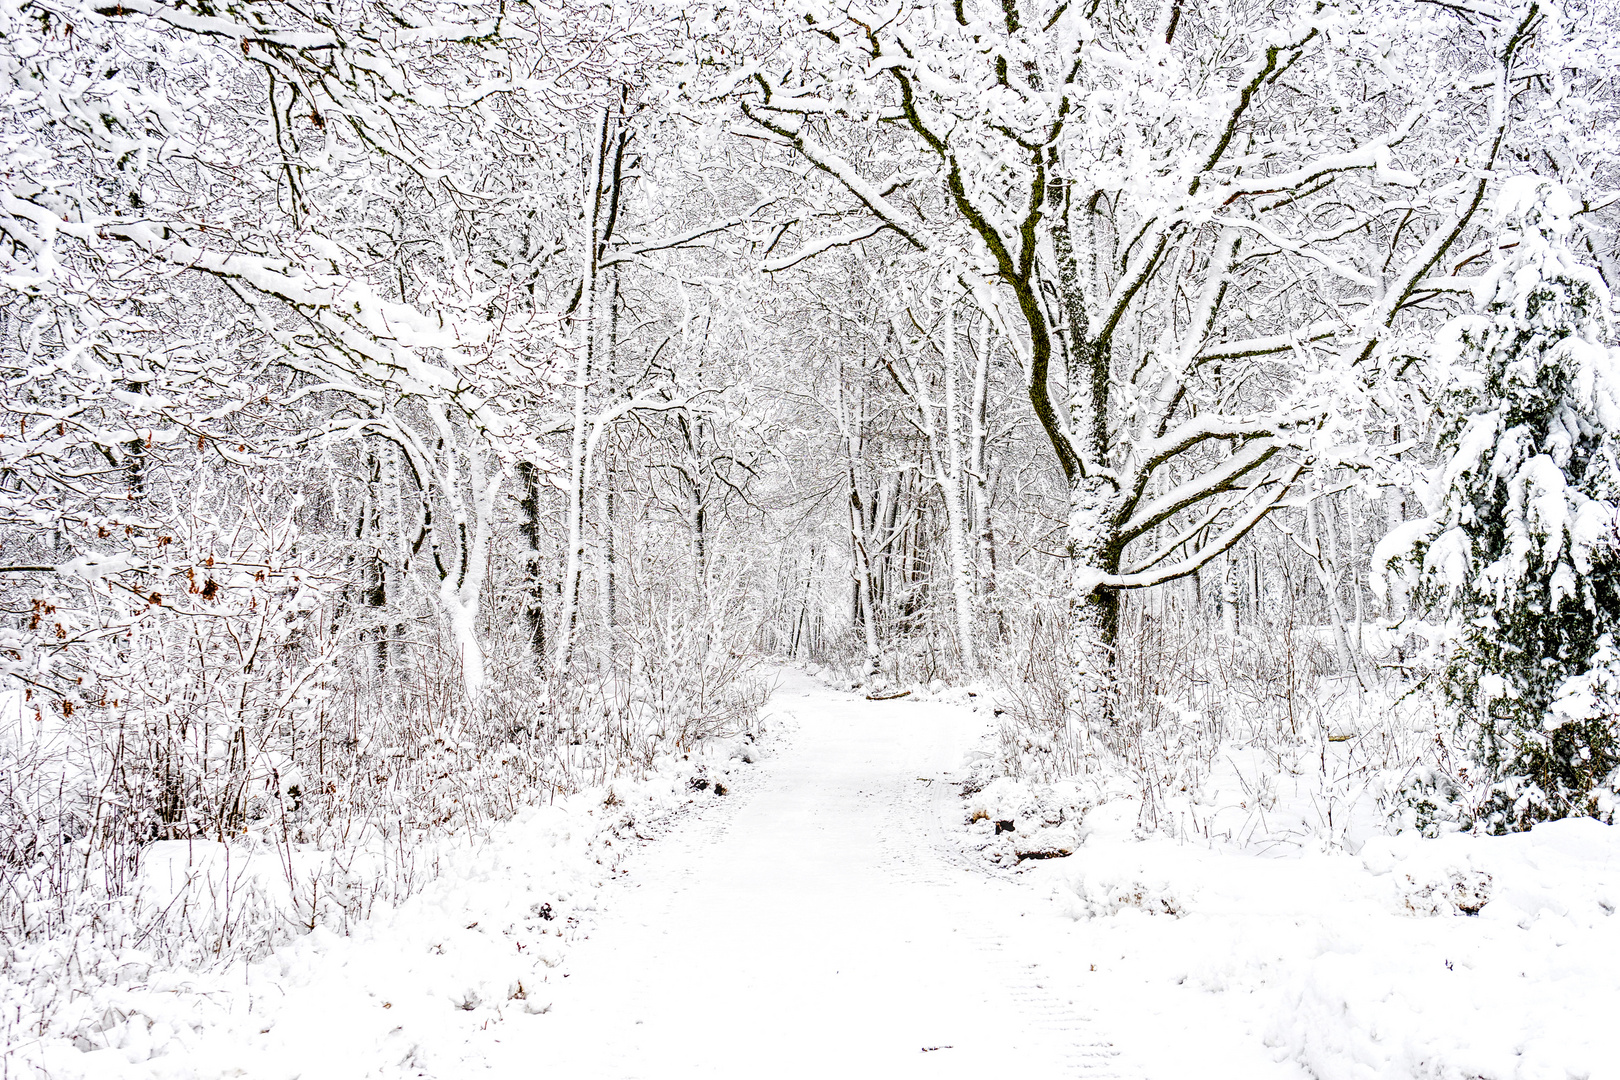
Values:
[(239, 702), (1457, 892), (1256, 738), (1110, 893), (1012, 820), (692, 673), (1520, 541)]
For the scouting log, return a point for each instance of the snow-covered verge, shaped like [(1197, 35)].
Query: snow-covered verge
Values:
[(477, 945), (1298, 888), (1457, 957), (1312, 881)]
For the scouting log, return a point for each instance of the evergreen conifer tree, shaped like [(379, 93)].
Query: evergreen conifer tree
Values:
[(1520, 542)]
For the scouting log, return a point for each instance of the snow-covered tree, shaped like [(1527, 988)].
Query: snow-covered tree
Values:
[(1520, 542), (1201, 227)]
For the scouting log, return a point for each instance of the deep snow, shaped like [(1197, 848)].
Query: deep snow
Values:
[(832, 916)]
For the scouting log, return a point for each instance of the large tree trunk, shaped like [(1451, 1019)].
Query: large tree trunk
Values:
[(1093, 610), (461, 583)]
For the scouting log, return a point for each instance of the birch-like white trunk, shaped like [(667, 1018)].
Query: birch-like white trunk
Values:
[(472, 503), (860, 532), (955, 515), (573, 568), (1327, 575)]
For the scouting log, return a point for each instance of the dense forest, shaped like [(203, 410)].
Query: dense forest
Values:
[(411, 412)]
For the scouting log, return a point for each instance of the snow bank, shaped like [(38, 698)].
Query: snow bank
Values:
[(479, 945), (1526, 989), (1267, 891), (1451, 958)]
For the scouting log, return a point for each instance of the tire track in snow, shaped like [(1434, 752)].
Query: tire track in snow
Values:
[(820, 923), (929, 802), (1086, 1054)]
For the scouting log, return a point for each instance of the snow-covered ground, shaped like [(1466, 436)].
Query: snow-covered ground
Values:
[(831, 916), (423, 988), (1459, 958)]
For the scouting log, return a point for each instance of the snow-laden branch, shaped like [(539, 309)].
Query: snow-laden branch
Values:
[(630, 250), (1279, 488), (390, 343), (825, 244), (1222, 478), (836, 166)]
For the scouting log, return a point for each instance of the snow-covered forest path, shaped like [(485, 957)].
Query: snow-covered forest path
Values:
[(826, 919), (820, 924)]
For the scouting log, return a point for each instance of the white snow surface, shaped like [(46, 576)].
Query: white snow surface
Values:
[(830, 917)]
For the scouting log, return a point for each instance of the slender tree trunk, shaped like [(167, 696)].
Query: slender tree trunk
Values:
[(135, 456), (697, 523), (607, 557), (606, 569), (607, 583), (534, 606), (1255, 584), (691, 474), (375, 593), (801, 625), (1229, 596), (955, 516), (567, 622), (884, 534), (979, 467), (1359, 643), (866, 584), (860, 534), (394, 566), (1329, 570)]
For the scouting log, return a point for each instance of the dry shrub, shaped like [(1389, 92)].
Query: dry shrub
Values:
[(1192, 700)]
